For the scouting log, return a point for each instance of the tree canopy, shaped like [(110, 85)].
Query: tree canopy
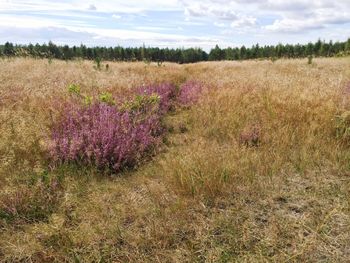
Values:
[(178, 55)]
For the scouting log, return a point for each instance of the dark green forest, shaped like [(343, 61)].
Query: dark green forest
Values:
[(179, 55)]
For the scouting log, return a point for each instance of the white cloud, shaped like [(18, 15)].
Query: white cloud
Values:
[(26, 22), (292, 26), (44, 34), (94, 37), (103, 5), (244, 22), (116, 16), (92, 7), (211, 9), (219, 24), (292, 16), (189, 22), (221, 11), (297, 5), (311, 20)]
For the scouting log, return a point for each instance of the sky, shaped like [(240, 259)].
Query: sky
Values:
[(173, 23)]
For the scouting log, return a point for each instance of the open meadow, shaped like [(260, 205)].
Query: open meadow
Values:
[(236, 162)]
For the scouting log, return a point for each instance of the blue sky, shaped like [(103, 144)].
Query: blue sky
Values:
[(173, 23)]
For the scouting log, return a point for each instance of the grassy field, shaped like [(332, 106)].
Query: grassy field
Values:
[(257, 170)]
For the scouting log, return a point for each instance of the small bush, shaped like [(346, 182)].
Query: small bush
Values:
[(103, 136), (115, 135), (88, 100), (74, 89), (166, 93), (142, 103), (97, 63), (309, 59), (107, 98)]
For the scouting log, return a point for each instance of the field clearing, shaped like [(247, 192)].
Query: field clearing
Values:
[(258, 170)]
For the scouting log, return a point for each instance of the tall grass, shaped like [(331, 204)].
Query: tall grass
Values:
[(253, 164)]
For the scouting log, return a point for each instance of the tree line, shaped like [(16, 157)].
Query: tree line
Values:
[(178, 55)]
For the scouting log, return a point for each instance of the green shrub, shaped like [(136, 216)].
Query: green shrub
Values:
[(88, 100), (309, 59), (107, 98), (141, 102), (97, 63), (74, 89)]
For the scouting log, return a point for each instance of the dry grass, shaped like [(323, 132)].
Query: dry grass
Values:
[(255, 172)]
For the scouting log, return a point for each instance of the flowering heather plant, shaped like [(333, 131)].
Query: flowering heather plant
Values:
[(103, 136), (166, 93), (189, 93), (113, 135)]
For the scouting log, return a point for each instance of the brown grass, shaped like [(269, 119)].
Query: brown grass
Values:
[(255, 172)]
